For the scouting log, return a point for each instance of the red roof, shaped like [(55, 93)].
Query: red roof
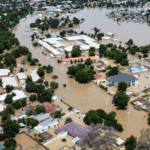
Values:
[(76, 58), (131, 74), (98, 76), (49, 107), (99, 66)]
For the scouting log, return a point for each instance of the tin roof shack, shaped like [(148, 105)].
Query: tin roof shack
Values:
[(46, 136), (56, 98), (75, 130), (42, 117), (46, 125), (123, 77), (21, 77)]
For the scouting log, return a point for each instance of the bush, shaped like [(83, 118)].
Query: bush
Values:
[(54, 77), (64, 140), (58, 114), (40, 140), (70, 108), (104, 88), (68, 120), (54, 85), (10, 142), (9, 88), (64, 85), (59, 61)]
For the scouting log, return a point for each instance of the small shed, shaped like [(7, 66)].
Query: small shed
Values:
[(46, 136), (56, 98)]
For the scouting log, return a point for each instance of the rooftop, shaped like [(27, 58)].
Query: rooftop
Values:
[(21, 75), (75, 130), (34, 75), (41, 117), (4, 72), (9, 81), (49, 107), (123, 77)]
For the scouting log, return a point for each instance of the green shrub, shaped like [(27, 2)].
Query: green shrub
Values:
[(64, 140)]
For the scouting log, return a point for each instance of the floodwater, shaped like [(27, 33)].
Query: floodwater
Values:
[(88, 96)]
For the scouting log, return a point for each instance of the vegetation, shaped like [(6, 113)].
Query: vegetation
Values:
[(33, 122), (121, 99), (68, 120), (130, 143), (54, 77), (41, 72), (103, 87), (92, 51), (58, 114), (81, 73), (64, 140), (10, 142), (39, 109), (113, 71), (100, 116), (76, 52), (122, 86), (9, 88)]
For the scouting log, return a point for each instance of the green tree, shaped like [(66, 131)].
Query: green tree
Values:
[(11, 68), (9, 98), (41, 72), (23, 102), (88, 62), (30, 87), (54, 85), (130, 143), (76, 52), (45, 96), (11, 128), (33, 122), (121, 99), (113, 71), (68, 120), (58, 114), (10, 142), (21, 70), (32, 98), (122, 86), (39, 109), (1, 82), (91, 117), (9, 88)]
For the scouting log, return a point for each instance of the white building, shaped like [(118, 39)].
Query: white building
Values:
[(9, 81), (19, 95), (35, 77), (2, 107), (46, 125), (22, 77), (4, 72)]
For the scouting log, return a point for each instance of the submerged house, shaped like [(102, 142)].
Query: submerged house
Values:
[(75, 130), (123, 77)]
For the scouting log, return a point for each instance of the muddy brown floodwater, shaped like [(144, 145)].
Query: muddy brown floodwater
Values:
[(88, 96)]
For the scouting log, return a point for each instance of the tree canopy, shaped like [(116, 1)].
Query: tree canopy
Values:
[(122, 86), (130, 143)]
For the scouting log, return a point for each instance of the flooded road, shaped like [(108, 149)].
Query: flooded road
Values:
[(88, 96)]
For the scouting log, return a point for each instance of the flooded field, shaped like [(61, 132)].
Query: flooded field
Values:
[(88, 96)]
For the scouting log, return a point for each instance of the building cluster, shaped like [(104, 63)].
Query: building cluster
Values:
[(130, 15), (58, 46)]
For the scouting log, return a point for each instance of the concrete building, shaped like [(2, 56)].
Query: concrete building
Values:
[(123, 77), (19, 95), (22, 77), (46, 125), (4, 72), (35, 77), (9, 81), (2, 107), (137, 69)]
